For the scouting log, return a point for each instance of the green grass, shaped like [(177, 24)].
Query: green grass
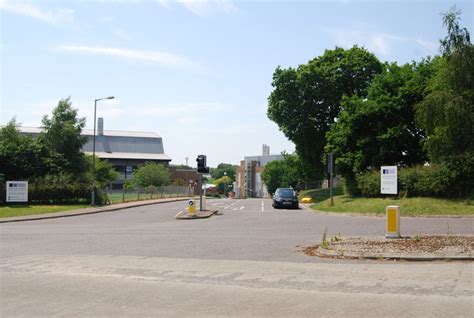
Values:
[(408, 206), (25, 209), (132, 196), (319, 195)]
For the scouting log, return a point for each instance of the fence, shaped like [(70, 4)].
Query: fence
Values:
[(135, 194)]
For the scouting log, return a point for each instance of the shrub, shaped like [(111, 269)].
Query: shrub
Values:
[(407, 181), (350, 187), (434, 180), (369, 184), (48, 192)]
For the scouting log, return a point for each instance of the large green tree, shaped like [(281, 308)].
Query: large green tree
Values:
[(447, 112), (306, 101), (62, 135), (223, 169), (22, 157), (283, 173), (151, 174), (380, 128)]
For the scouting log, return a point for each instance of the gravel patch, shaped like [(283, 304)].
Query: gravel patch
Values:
[(426, 247)]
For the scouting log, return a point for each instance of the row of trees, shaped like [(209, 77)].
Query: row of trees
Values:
[(53, 160), (371, 113)]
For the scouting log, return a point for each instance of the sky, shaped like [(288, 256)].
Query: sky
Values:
[(196, 72)]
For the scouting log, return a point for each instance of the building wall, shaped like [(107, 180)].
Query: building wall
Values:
[(249, 181), (191, 177)]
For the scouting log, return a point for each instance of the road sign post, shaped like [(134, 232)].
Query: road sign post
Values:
[(330, 162), (191, 208)]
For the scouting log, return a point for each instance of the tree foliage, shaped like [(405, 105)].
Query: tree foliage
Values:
[(306, 101), (22, 157), (223, 183), (151, 174), (283, 173), (62, 136), (380, 128), (222, 170), (457, 37)]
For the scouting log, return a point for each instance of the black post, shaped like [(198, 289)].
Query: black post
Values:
[(200, 195), (330, 170)]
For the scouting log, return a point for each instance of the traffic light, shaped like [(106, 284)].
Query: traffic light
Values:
[(201, 164)]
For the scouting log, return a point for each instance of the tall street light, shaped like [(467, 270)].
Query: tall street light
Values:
[(93, 149)]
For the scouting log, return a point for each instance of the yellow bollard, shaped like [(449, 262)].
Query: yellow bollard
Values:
[(393, 221), (191, 208)]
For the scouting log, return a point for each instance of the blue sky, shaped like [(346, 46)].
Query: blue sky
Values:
[(198, 73)]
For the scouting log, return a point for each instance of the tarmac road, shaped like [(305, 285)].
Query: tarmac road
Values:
[(245, 262)]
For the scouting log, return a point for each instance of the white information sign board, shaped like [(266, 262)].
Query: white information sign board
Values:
[(388, 180), (17, 191)]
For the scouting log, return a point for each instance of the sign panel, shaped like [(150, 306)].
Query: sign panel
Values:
[(17, 191), (388, 180)]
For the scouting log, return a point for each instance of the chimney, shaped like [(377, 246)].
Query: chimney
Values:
[(265, 150), (100, 127)]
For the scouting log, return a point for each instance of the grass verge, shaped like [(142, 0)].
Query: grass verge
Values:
[(319, 195), (26, 209), (408, 206)]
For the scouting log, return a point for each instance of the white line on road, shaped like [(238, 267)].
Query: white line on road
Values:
[(241, 207), (262, 207), (234, 209)]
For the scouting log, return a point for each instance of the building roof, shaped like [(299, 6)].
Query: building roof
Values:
[(115, 144), (131, 155), (90, 132)]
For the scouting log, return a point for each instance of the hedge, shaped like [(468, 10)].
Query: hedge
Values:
[(454, 179)]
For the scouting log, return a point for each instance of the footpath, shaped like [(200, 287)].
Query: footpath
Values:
[(91, 210)]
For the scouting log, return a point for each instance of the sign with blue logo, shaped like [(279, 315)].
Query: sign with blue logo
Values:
[(17, 191), (388, 180)]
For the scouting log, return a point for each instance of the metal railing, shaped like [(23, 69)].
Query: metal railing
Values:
[(148, 193)]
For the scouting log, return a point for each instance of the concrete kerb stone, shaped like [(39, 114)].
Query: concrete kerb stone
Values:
[(183, 215), (92, 210), (323, 252)]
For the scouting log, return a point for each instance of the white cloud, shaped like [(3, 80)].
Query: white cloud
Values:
[(163, 58), (203, 7), (383, 44), (52, 16)]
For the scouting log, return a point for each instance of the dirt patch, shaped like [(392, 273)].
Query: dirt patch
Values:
[(418, 245)]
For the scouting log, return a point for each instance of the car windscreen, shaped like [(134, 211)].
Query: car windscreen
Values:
[(285, 192)]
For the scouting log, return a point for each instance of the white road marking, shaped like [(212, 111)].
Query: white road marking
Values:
[(234, 209), (226, 207), (241, 207), (262, 207)]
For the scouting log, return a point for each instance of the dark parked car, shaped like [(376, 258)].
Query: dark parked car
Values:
[(285, 198)]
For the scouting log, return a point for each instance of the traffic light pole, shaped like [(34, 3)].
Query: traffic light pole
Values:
[(200, 195)]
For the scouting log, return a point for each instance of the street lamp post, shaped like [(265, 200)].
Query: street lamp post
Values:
[(93, 150)]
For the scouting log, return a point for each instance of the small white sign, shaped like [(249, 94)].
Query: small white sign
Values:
[(388, 180), (17, 191)]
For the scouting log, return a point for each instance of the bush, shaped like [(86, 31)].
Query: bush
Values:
[(452, 179), (46, 192), (369, 184), (350, 187), (434, 180), (407, 181)]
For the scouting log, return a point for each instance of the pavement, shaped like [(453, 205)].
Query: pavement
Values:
[(91, 210), (349, 252)]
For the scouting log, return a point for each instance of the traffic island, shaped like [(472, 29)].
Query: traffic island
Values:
[(185, 215), (416, 248)]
